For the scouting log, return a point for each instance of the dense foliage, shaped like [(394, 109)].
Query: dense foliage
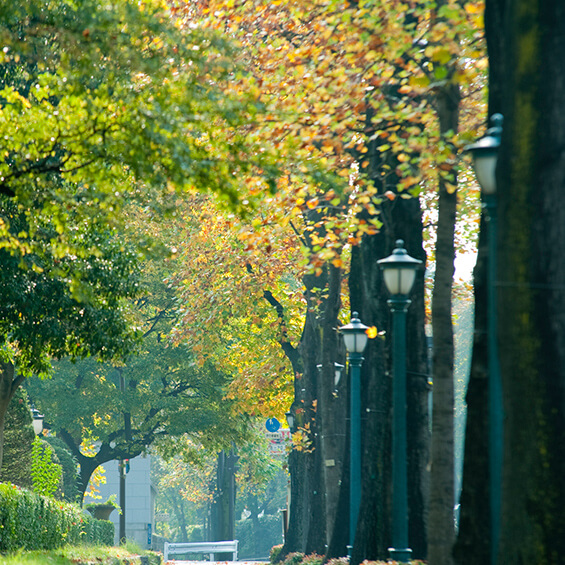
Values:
[(18, 437), (29, 521), (68, 489), (101, 104), (46, 474)]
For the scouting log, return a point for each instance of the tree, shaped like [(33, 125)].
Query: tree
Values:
[(190, 484), (42, 315), (524, 40), (346, 94), (158, 395), (184, 483), (95, 112)]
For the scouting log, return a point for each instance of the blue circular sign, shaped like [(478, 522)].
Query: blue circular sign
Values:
[(272, 425)]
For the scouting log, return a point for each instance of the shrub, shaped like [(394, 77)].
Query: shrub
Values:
[(367, 562), (69, 489), (46, 473), (30, 521), (338, 561), (293, 559), (18, 437), (275, 552), (314, 559)]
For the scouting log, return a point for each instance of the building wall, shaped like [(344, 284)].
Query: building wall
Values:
[(140, 500)]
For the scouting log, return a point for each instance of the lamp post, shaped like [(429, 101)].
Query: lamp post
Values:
[(399, 273), (485, 156), (355, 339)]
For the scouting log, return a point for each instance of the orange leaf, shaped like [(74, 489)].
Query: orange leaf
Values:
[(371, 332)]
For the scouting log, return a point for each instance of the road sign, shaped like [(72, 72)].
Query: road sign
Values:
[(272, 425), (278, 442)]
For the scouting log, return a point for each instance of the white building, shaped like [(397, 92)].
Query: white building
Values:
[(140, 500)]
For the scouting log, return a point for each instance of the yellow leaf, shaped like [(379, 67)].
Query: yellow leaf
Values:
[(474, 8), (371, 332)]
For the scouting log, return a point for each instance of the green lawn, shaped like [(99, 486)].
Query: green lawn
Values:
[(75, 556)]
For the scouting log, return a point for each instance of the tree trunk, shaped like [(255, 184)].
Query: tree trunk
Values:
[(177, 504), (526, 57), (310, 349), (441, 528), (473, 546), (531, 283), (223, 508), (332, 403), (402, 219), (296, 533), (307, 532), (473, 540), (254, 509)]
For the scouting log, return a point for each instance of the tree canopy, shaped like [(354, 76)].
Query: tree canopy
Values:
[(155, 396), (101, 104)]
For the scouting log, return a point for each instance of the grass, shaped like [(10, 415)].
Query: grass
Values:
[(80, 555)]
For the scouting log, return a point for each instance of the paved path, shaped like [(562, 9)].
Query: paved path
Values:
[(180, 562)]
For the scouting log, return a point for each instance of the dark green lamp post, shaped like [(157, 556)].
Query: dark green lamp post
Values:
[(355, 339), (399, 273), (485, 156)]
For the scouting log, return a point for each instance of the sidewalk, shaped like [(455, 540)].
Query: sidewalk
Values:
[(181, 562)]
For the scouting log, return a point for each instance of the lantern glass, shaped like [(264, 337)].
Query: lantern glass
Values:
[(485, 168), (38, 424), (399, 281), (290, 419), (355, 342)]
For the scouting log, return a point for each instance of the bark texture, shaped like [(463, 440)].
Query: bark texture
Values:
[(531, 284), (402, 220), (526, 55), (473, 545), (441, 531), (332, 405)]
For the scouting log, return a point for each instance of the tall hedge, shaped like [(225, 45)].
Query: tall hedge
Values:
[(70, 491), (29, 521), (18, 437)]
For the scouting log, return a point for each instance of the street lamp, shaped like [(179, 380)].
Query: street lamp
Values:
[(37, 420), (355, 339), (290, 419), (485, 156), (399, 273)]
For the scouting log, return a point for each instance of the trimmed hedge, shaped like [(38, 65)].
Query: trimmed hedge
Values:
[(29, 521)]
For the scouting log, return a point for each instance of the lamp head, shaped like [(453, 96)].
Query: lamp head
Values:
[(355, 335), (290, 419), (399, 270), (485, 155), (37, 421)]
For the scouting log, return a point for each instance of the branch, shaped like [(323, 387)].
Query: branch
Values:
[(289, 350)]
